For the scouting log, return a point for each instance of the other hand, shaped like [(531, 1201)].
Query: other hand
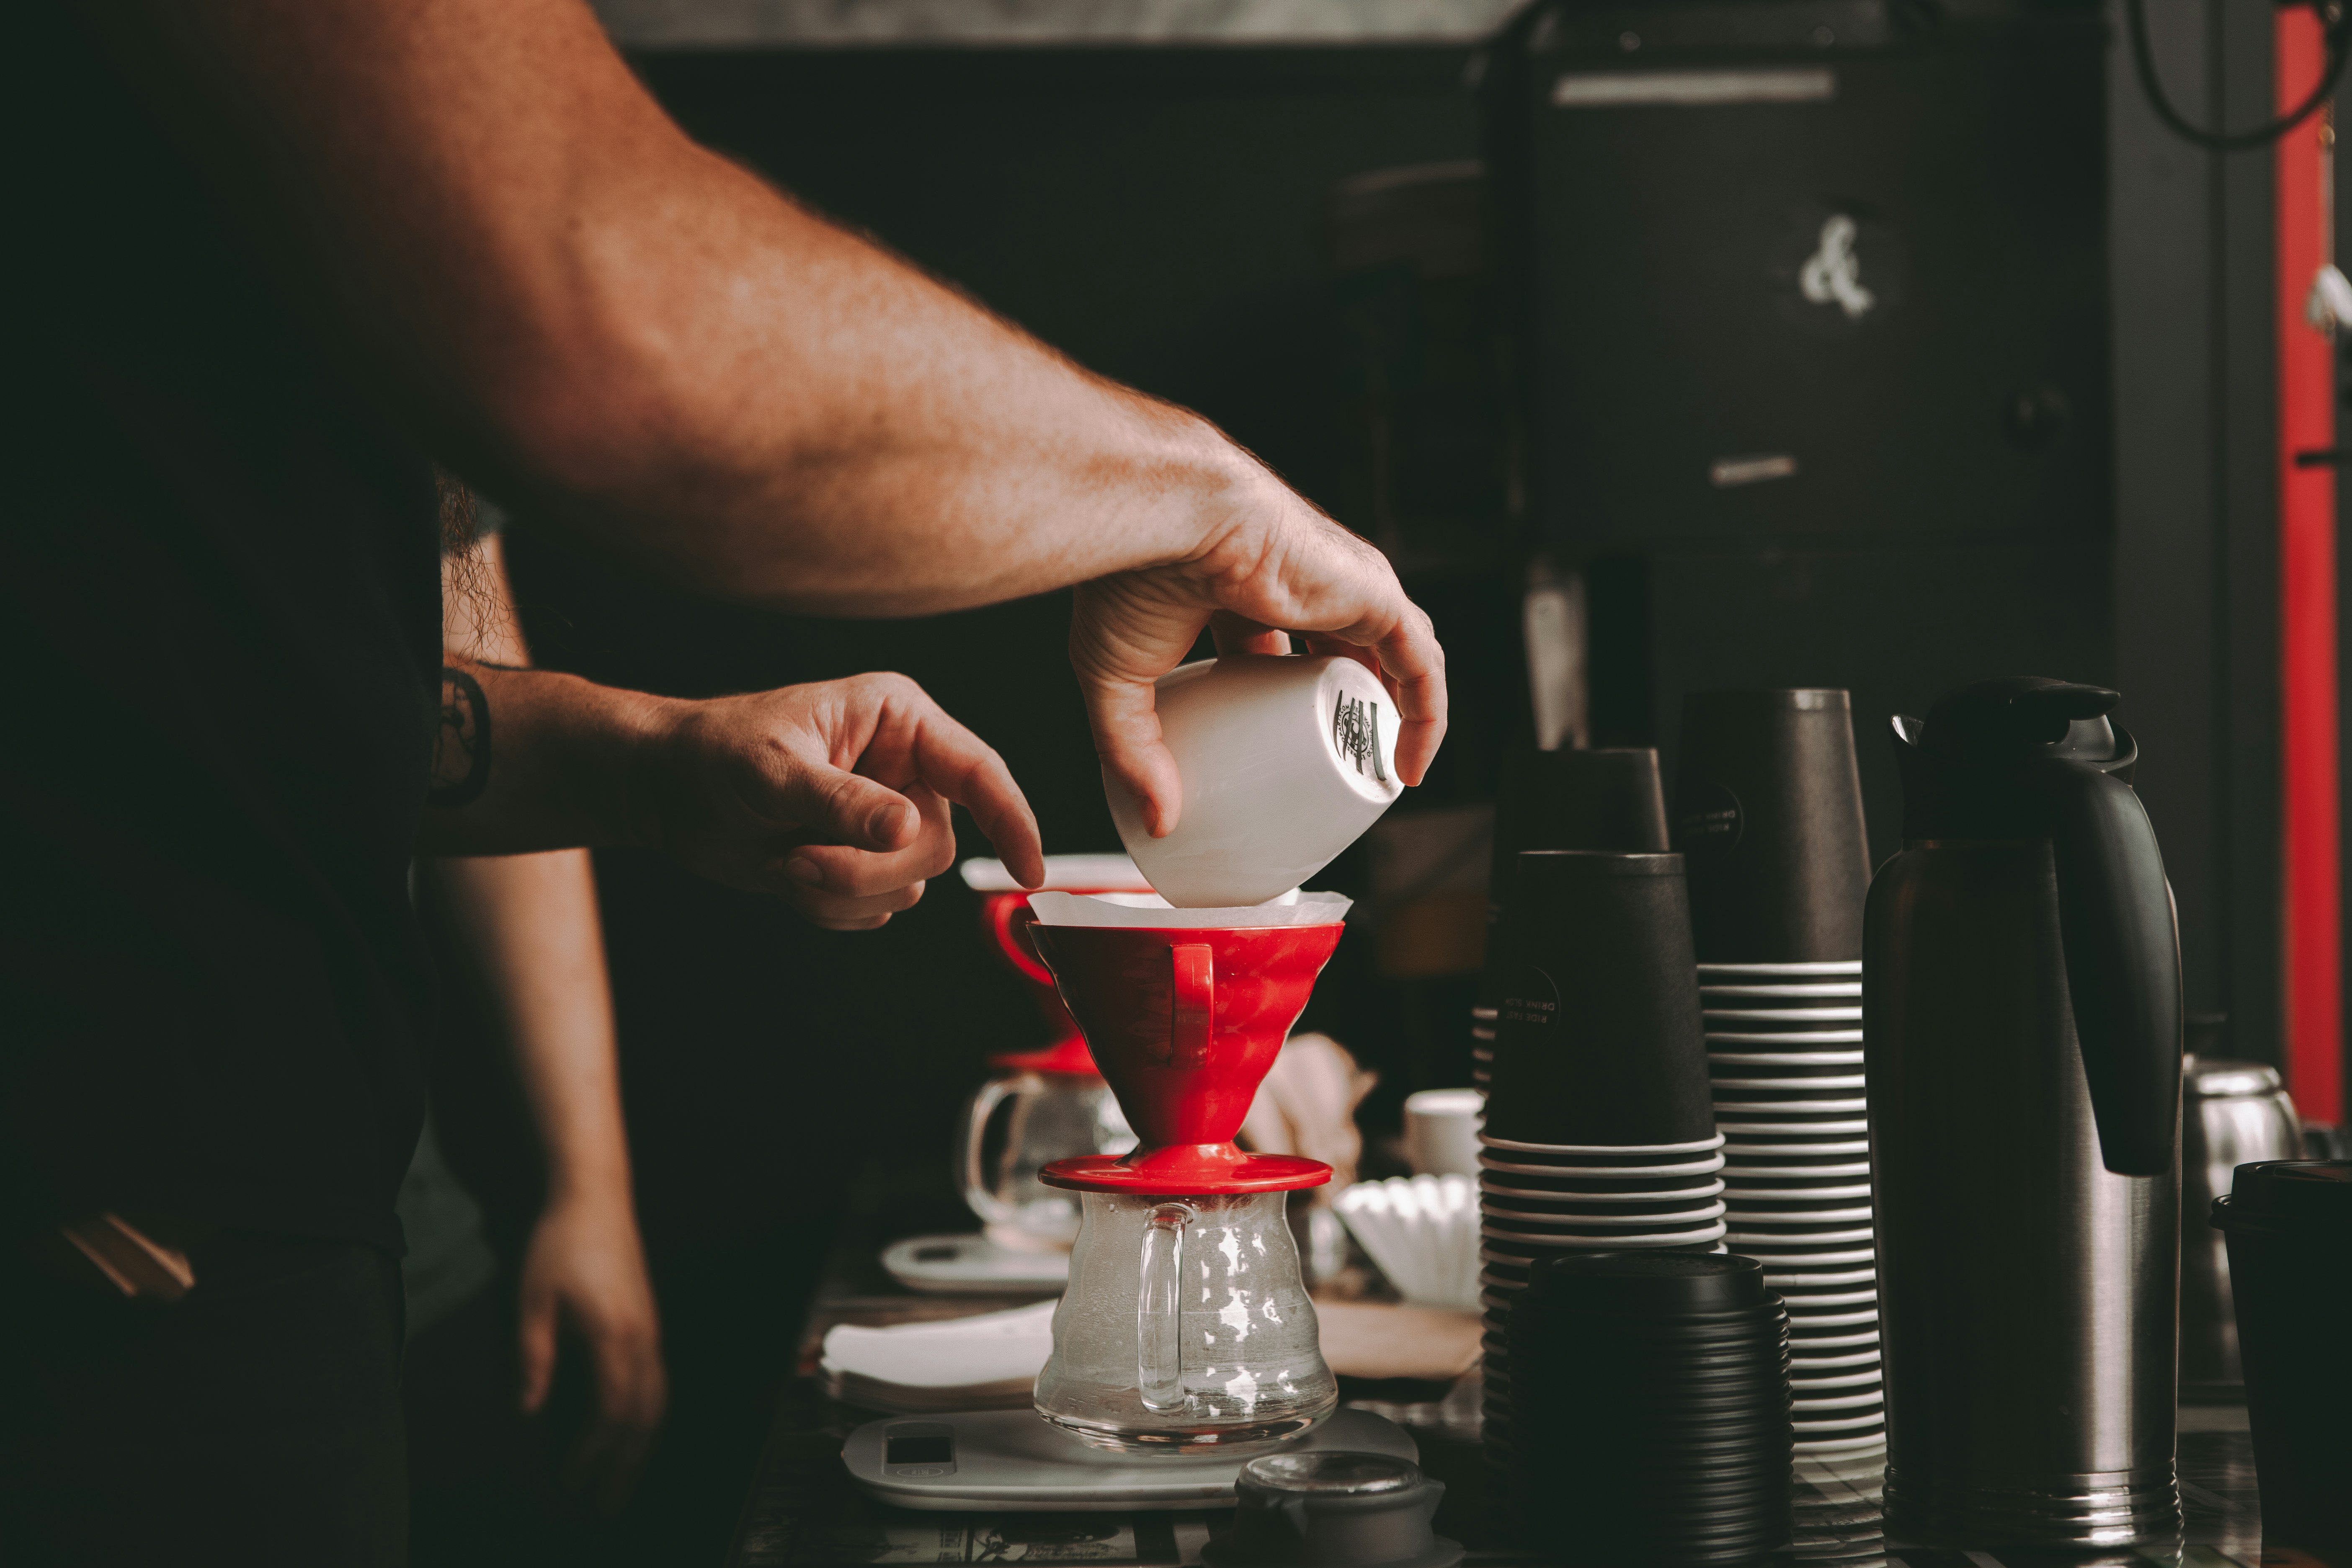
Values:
[(1273, 565), (585, 1271), (833, 795)]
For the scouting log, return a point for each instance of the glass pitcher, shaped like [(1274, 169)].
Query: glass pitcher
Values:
[(1186, 1327), (1049, 1112)]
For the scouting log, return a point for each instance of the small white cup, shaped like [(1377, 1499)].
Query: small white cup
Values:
[(1440, 1130), (1285, 761)]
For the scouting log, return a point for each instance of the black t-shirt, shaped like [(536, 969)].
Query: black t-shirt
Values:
[(220, 613)]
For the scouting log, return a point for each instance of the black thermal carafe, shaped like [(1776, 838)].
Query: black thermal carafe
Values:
[(2022, 1015)]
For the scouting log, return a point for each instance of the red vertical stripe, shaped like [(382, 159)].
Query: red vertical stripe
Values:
[(2312, 882)]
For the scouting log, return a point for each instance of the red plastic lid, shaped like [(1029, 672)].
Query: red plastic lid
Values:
[(1069, 1055), (1179, 1169)]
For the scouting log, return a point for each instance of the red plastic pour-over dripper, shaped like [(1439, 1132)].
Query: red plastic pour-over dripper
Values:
[(1184, 1024), (1008, 921)]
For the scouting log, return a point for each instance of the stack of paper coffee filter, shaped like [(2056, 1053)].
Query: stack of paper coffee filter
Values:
[(1599, 1135), (1785, 1061), (1768, 807), (1598, 798), (1422, 1232)]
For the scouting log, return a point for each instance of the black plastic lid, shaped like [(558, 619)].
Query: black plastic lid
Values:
[(1651, 1283), (2298, 1194)]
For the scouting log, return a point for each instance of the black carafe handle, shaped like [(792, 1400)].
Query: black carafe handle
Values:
[(2122, 962)]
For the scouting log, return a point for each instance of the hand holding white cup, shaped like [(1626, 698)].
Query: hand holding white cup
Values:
[(1284, 761)]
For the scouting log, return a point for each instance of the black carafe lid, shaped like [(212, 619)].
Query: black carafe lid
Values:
[(2306, 1196), (2030, 758)]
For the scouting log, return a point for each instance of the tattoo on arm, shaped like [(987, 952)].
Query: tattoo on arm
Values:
[(461, 746)]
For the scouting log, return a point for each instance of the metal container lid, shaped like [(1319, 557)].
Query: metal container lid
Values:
[(2216, 1078)]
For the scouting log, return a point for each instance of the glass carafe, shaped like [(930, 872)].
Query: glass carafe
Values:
[(1048, 1114), (1186, 1327)]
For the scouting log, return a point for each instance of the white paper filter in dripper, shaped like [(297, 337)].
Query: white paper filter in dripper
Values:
[(1151, 911), (1092, 873)]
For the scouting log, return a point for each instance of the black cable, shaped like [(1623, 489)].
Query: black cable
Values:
[(2338, 36)]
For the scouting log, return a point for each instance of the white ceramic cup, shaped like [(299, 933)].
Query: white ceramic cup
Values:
[(1440, 1130), (1285, 763)]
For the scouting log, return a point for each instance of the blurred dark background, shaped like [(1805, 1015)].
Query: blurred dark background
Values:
[(1508, 344)]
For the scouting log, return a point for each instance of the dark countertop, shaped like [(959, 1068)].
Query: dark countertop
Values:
[(803, 1510)]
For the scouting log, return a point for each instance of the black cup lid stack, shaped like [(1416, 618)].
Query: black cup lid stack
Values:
[(1655, 1399)]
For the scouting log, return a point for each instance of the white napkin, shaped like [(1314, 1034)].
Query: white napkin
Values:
[(944, 1364), (1152, 910)]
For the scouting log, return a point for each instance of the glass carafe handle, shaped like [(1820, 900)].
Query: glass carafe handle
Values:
[(991, 1209), (1159, 1346)]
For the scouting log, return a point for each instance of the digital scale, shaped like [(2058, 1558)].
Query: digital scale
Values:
[(1013, 1461)]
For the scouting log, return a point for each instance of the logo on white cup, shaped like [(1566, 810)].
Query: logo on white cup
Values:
[(1356, 733)]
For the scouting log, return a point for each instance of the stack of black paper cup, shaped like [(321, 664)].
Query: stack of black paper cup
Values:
[(1602, 799), (1657, 1428), (1599, 1132), (1768, 807)]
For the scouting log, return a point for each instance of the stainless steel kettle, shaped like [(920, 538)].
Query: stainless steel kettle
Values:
[(2232, 1114), (2021, 1014)]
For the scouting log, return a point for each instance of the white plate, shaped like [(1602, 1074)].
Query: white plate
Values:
[(1817, 966), (1745, 1108), (1850, 1125), (1815, 1365), (1794, 1080), (973, 1265), (1766, 1172), (1830, 1300)]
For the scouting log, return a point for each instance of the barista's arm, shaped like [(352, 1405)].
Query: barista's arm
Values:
[(658, 352), (833, 795), (528, 926)]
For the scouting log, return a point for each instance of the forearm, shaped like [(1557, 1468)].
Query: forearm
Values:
[(529, 922), (531, 760), (647, 346)]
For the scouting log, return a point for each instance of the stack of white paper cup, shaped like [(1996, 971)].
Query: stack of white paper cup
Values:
[(1784, 1052)]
